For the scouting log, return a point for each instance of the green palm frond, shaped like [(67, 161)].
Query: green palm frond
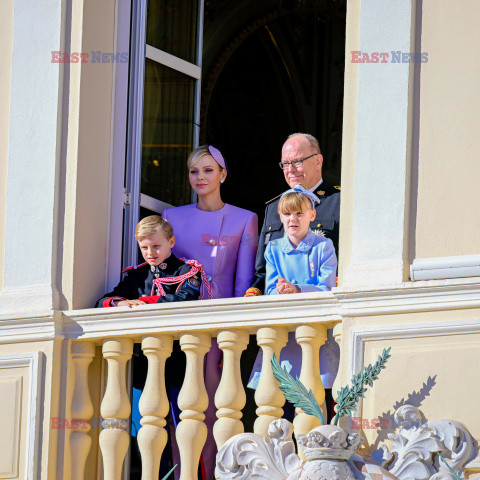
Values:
[(295, 392), (348, 397)]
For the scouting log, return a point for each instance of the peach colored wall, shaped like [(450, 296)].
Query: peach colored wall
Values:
[(436, 362), (50, 406), (418, 359), (13, 420), (6, 26), (449, 167)]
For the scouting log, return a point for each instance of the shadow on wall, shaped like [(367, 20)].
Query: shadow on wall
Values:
[(385, 423)]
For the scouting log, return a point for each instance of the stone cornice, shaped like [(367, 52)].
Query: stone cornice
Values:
[(409, 297), (31, 327)]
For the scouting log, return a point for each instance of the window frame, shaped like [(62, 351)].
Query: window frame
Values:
[(126, 197)]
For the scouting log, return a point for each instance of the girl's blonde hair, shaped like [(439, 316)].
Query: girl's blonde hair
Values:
[(294, 202), (152, 224)]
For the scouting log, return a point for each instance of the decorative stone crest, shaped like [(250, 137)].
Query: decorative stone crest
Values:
[(327, 448), (421, 450), (330, 452), (329, 441), (249, 456), (418, 446)]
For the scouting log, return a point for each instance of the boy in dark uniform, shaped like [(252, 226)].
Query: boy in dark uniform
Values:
[(163, 277)]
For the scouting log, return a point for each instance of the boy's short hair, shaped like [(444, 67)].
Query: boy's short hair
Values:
[(294, 202), (152, 224)]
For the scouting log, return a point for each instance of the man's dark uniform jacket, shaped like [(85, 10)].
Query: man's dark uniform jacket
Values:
[(138, 282), (325, 224)]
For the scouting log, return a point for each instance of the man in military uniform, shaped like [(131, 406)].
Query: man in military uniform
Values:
[(301, 164)]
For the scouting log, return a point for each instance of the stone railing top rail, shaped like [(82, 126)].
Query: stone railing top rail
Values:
[(248, 313), (254, 312), (210, 315)]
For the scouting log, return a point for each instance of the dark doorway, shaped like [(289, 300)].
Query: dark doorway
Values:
[(281, 72)]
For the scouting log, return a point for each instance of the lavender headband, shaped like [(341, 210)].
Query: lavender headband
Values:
[(217, 156)]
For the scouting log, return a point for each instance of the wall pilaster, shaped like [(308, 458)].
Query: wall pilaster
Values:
[(376, 164)]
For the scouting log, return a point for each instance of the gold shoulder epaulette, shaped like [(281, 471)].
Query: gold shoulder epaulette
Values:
[(337, 187), (272, 199)]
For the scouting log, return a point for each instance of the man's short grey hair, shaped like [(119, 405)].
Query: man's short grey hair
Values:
[(311, 140)]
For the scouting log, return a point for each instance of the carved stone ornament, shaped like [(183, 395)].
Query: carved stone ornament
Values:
[(416, 447), (327, 442), (330, 452), (252, 456), (327, 449)]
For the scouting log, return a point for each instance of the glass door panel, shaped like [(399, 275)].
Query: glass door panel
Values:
[(172, 27), (168, 122), (164, 108)]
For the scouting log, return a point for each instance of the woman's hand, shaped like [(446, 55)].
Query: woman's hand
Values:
[(284, 286)]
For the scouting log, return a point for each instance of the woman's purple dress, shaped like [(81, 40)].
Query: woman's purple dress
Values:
[(224, 242)]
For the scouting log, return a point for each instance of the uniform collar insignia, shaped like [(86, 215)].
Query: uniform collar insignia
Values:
[(161, 266), (305, 244)]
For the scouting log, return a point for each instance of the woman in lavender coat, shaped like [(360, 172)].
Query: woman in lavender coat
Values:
[(223, 238)]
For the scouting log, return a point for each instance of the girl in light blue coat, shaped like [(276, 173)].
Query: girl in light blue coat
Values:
[(300, 261)]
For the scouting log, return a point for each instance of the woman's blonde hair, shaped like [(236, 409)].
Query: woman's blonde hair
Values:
[(152, 224), (294, 202), (197, 154)]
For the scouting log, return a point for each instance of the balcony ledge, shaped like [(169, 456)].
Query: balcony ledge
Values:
[(213, 315), (250, 313)]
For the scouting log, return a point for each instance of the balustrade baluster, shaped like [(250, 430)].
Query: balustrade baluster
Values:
[(230, 397), (268, 396), (153, 405), (115, 408), (310, 339), (337, 384), (192, 432), (81, 411)]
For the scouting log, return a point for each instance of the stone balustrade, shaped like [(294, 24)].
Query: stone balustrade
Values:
[(194, 325)]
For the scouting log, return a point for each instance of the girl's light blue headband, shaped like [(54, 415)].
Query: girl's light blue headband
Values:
[(304, 191)]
